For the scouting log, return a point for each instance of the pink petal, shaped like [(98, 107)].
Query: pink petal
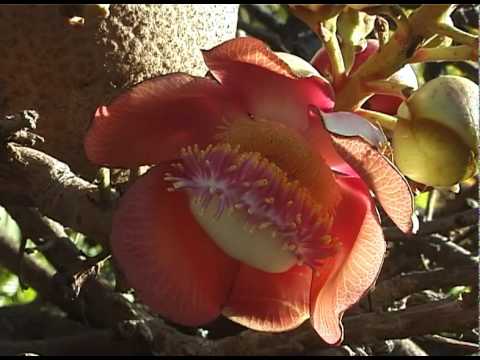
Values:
[(353, 271), (320, 142), (388, 184), (384, 103), (265, 93), (322, 63), (247, 50), (270, 302), (150, 122), (166, 256)]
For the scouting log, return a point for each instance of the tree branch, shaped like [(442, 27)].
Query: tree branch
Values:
[(449, 316), (31, 270), (403, 285), (364, 328), (31, 178), (35, 321), (440, 225), (96, 302), (448, 346), (442, 250)]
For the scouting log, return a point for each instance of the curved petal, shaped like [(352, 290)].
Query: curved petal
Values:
[(384, 103), (353, 271), (382, 177), (246, 50), (320, 141), (150, 122), (166, 256), (270, 302), (350, 124), (267, 94), (322, 63)]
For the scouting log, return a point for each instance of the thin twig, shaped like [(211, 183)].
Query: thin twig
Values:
[(440, 225), (403, 285), (452, 253)]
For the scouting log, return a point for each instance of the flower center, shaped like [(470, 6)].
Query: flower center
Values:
[(251, 209), (287, 149)]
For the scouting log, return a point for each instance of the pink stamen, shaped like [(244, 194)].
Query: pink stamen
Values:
[(250, 183)]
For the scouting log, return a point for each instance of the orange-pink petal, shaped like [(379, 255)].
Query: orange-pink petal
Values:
[(150, 122), (267, 94), (320, 142), (383, 178), (270, 302), (384, 103), (347, 276), (166, 256), (247, 50)]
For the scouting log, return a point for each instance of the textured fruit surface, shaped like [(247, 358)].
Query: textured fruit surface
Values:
[(65, 70)]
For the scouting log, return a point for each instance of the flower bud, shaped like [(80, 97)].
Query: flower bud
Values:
[(435, 141)]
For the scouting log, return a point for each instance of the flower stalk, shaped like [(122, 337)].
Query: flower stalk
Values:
[(387, 122), (454, 53), (406, 45), (386, 87), (327, 32)]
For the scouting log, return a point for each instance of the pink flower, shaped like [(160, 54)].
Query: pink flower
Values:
[(266, 220)]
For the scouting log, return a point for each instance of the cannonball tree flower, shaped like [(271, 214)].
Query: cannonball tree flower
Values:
[(253, 209)]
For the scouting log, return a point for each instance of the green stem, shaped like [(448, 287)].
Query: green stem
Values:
[(393, 56), (456, 34), (438, 41), (386, 87), (327, 33), (453, 53), (387, 122)]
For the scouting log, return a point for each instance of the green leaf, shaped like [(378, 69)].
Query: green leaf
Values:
[(421, 200), (9, 227), (26, 296)]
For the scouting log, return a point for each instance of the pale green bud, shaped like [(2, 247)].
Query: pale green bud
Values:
[(435, 141)]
